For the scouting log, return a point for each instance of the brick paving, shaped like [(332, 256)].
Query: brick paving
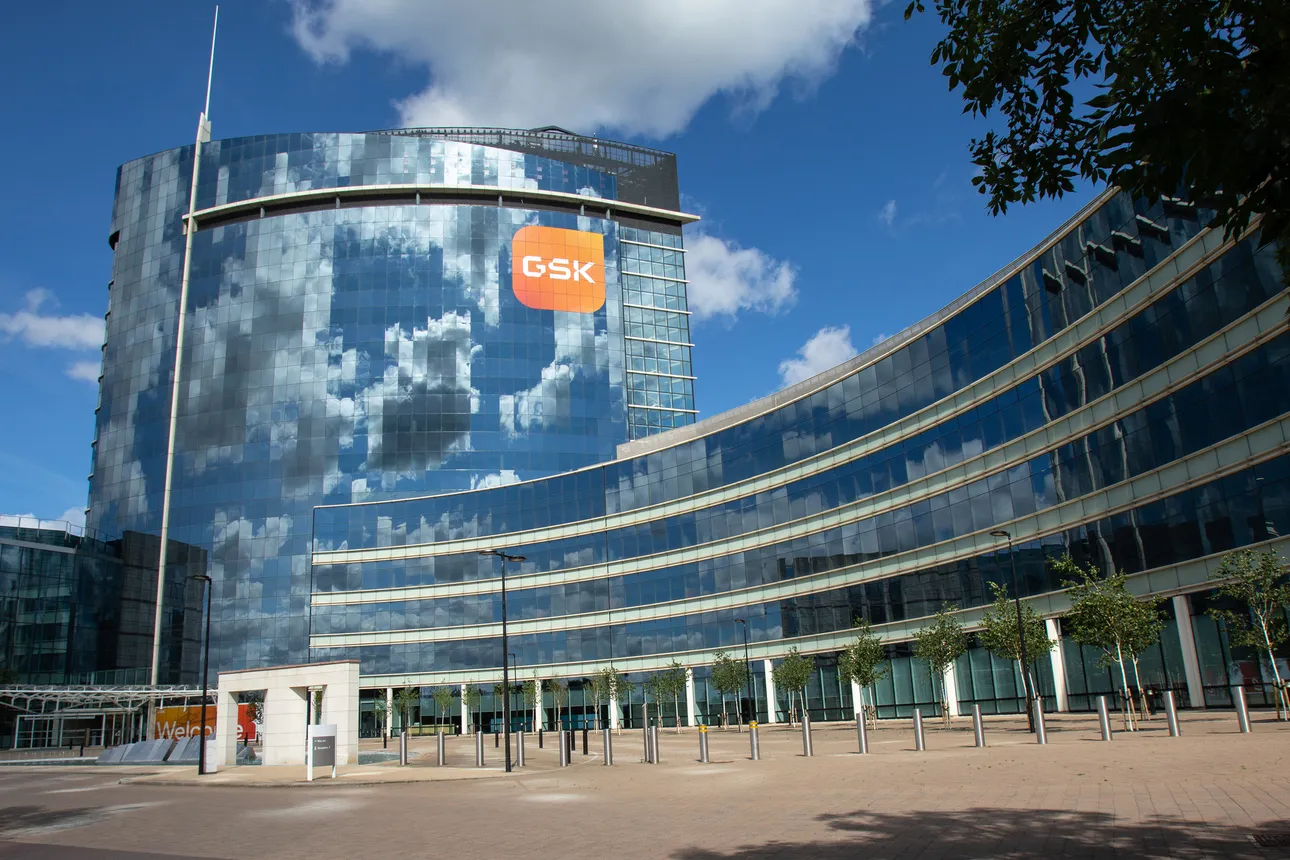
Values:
[(1210, 793)]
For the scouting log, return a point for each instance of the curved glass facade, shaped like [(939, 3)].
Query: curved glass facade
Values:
[(1121, 394), (354, 330)]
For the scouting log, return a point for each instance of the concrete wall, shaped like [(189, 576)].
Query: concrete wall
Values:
[(287, 710)]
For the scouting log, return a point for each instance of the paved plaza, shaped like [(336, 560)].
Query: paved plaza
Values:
[(1210, 793)]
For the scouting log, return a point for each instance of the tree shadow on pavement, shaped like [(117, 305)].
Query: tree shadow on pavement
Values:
[(1014, 833)]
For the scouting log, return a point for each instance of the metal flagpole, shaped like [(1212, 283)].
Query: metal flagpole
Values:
[(190, 227)]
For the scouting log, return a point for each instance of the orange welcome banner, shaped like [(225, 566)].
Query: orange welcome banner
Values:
[(185, 720)]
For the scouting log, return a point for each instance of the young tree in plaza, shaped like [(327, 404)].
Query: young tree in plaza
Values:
[(620, 691), (404, 701), (559, 691), (1106, 616), (379, 714), (793, 674), (655, 686), (939, 644), (864, 661), (443, 700), (474, 701), (1261, 583), (1000, 636), (728, 677), (599, 692), (1153, 97), (674, 678), (533, 698)]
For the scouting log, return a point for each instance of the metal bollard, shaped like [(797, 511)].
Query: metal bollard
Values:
[(1242, 712), (807, 749), (442, 750), (607, 739), (403, 747), (978, 727), (519, 749), (571, 742), (1041, 730), (497, 740), (649, 753), (754, 742), (703, 744), (539, 739), (1171, 714), (479, 749), (584, 740), (564, 750), (1103, 718), (654, 743), (918, 730), (862, 732)]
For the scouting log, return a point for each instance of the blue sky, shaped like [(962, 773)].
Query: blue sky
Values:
[(826, 156)]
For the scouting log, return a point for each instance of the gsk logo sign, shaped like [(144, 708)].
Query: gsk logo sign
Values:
[(558, 270)]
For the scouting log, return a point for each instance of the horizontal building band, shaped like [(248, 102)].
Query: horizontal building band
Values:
[(404, 194), (1249, 331), (651, 245)]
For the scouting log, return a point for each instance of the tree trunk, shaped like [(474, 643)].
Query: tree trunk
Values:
[(1283, 699), (676, 709), (1142, 692), (1128, 696)]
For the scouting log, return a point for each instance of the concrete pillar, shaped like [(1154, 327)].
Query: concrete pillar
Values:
[(1187, 641), (1059, 665), (613, 712), (856, 701), (389, 712), (689, 698), (465, 712), (771, 705), (951, 687)]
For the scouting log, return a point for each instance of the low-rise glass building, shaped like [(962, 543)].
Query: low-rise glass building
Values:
[(1121, 394)]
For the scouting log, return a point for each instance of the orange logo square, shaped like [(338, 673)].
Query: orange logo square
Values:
[(558, 270)]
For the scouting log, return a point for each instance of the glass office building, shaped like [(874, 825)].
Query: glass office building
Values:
[(1121, 393), (373, 316), (78, 609)]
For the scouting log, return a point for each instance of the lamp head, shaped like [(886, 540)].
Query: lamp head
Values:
[(1000, 533)]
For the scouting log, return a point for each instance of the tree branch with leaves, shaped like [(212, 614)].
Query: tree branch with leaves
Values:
[(939, 644), (1157, 97), (865, 662), (793, 673), (1000, 636), (1260, 582), (1106, 616)]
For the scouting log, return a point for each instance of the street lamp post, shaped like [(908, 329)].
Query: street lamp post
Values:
[(506, 675), (206, 665), (1021, 629), (752, 692)]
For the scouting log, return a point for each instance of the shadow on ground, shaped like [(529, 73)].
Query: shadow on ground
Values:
[(1012, 833)]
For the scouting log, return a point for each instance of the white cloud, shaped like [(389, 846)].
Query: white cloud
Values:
[(827, 348), (74, 517), (726, 279), (79, 331), (887, 215), (639, 68), (85, 370)]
